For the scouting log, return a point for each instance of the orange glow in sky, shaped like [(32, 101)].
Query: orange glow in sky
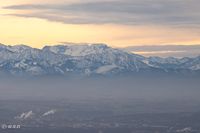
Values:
[(38, 32)]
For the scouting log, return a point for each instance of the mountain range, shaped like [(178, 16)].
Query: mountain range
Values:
[(88, 60)]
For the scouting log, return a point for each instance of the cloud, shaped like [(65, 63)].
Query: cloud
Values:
[(126, 12), (166, 50)]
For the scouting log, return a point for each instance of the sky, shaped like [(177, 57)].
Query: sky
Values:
[(118, 23)]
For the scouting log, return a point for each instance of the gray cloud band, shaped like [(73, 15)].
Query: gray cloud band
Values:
[(127, 12), (166, 50)]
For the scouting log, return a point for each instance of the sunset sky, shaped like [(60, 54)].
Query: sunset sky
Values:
[(118, 23)]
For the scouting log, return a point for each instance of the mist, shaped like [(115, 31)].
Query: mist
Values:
[(122, 87)]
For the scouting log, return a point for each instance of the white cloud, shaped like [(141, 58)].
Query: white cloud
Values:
[(166, 50)]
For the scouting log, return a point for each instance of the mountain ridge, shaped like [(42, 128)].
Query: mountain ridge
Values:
[(86, 60)]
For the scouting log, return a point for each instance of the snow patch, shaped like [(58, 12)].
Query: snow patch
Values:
[(106, 68), (25, 115), (195, 67), (35, 70), (50, 112), (184, 130), (148, 63)]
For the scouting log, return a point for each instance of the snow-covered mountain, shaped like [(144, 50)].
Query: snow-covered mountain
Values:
[(86, 59)]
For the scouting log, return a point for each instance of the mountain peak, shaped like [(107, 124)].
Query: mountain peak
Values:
[(2, 45), (77, 50)]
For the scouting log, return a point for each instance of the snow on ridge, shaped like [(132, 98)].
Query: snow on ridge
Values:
[(195, 67), (50, 112), (184, 130), (25, 115), (77, 50), (83, 58)]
